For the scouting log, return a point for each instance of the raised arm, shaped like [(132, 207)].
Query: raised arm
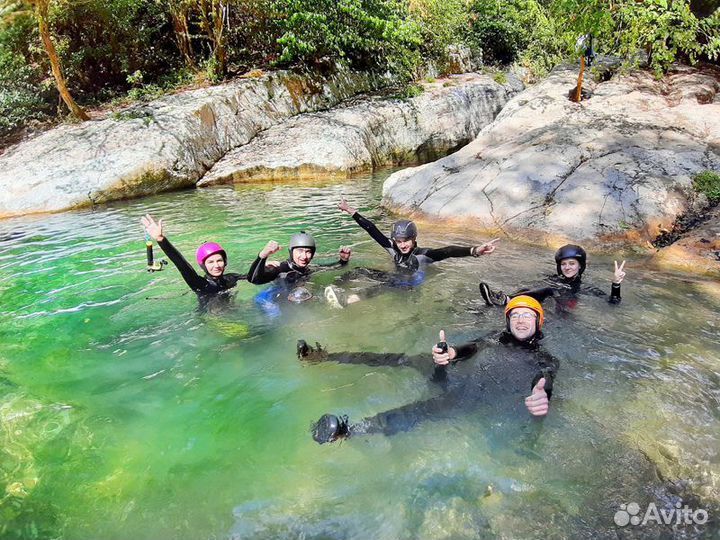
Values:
[(618, 277), (260, 271), (366, 224), (188, 273)]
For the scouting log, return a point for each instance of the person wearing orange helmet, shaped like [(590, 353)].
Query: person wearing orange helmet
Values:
[(510, 365), (565, 285)]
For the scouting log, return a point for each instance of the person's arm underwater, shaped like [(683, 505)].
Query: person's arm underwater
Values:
[(366, 224), (261, 271), (188, 273)]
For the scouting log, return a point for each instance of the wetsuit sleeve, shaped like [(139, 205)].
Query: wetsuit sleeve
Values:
[(188, 273), (332, 265), (548, 366), (615, 297), (447, 252), (372, 230), (260, 274)]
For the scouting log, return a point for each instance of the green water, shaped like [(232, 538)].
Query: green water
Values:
[(126, 413)]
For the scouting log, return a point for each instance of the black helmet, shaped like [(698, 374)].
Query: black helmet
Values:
[(571, 251), (301, 240), (330, 428), (403, 230)]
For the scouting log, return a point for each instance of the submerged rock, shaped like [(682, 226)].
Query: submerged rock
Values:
[(615, 167), (370, 132)]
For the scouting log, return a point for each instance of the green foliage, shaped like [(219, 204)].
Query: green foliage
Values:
[(665, 30), (708, 182), (369, 34), (500, 77), (440, 23), (143, 48)]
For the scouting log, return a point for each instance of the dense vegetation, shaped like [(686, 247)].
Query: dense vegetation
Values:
[(94, 51)]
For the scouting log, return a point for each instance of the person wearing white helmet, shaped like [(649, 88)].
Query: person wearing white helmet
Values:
[(301, 251)]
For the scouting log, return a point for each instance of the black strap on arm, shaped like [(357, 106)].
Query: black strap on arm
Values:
[(188, 273), (615, 297), (373, 231)]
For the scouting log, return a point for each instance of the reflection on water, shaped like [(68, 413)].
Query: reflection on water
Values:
[(126, 413)]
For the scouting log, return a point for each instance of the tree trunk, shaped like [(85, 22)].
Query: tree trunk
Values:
[(42, 15), (212, 19), (182, 36)]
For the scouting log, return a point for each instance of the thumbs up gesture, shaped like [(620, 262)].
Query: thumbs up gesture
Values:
[(537, 403), (443, 355)]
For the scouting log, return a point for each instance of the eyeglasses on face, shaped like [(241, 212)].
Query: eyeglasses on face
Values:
[(522, 316)]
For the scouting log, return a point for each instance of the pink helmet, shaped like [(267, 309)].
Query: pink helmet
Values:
[(207, 249)]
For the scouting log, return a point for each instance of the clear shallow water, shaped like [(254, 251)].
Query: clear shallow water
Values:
[(126, 413)]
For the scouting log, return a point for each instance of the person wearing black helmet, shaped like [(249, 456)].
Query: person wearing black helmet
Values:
[(511, 364), (402, 243), (301, 250), (570, 263)]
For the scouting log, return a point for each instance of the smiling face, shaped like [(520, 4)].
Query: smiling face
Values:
[(569, 268), (523, 323), (302, 256), (405, 245), (215, 265)]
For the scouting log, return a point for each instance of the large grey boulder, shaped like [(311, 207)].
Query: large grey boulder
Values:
[(619, 165), (369, 132), (169, 143)]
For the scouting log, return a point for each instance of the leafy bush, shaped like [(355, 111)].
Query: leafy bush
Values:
[(708, 182)]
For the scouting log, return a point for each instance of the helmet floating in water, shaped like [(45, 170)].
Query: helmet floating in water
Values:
[(208, 249), (299, 295), (526, 302), (571, 251), (404, 230), (301, 240)]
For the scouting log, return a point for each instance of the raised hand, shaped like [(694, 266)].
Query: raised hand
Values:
[(440, 356), (485, 249), (271, 247), (619, 273), (345, 207), (537, 403), (153, 228), (345, 253)]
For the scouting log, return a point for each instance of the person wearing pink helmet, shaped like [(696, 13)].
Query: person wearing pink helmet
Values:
[(210, 256)]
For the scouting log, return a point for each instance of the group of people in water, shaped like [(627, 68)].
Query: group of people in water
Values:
[(511, 363)]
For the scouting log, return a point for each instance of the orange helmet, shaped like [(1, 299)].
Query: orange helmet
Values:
[(526, 302)]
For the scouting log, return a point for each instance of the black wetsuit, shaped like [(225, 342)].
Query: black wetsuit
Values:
[(418, 256), (288, 272), (502, 377), (566, 290), (206, 285)]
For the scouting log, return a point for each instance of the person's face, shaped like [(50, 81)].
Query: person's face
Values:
[(302, 256), (523, 323), (405, 245), (215, 265), (569, 267)]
